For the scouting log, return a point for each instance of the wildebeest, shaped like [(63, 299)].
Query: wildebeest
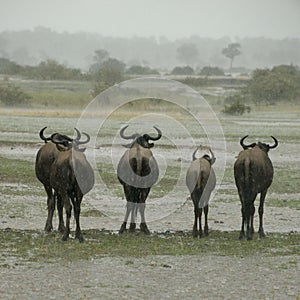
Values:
[(71, 176), (253, 173), (44, 159), (201, 180), (137, 171)]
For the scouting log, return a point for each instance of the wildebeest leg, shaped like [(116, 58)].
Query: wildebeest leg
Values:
[(242, 232), (200, 224), (50, 206), (143, 225), (249, 212), (142, 205), (195, 227), (261, 212), (133, 217), (76, 203), (127, 192), (68, 209), (206, 222), (61, 225), (129, 206)]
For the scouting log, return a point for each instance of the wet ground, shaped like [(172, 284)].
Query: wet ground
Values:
[(153, 277)]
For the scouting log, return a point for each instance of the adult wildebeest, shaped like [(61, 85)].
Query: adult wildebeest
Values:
[(253, 173), (201, 180), (44, 159), (71, 176), (137, 172)]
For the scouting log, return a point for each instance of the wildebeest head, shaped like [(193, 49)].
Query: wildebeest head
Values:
[(64, 143), (263, 146), (57, 136), (142, 140), (208, 156)]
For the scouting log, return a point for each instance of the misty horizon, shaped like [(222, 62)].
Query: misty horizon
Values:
[(172, 19)]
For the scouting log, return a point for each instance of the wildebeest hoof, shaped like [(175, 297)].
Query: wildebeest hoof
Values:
[(144, 228), (261, 233), (241, 236), (65, 237), (61, 228), (48, 227), (123, 228), (79, 237), (195, 233), (132, 227)]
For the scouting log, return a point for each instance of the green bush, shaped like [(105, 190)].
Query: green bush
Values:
[(211, 71), (234, 105), (282, 83), (140, 70), (12, 95), (187, 70)]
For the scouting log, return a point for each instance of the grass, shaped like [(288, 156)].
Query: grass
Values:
[(17, 171), (38, 246)]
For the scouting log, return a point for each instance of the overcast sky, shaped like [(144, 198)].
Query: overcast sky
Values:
[(171, 18)]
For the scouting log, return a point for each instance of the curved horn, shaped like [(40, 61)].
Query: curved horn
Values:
[(212, 156), (128, 137), (158, 134), (244, 145), (78, 135), (194, 154), (42, 135), (88, 138), (275, 143)]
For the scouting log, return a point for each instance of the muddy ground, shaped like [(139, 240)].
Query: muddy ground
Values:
[(153, 277)]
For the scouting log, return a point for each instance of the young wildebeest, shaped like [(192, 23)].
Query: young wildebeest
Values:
[(253, 173), (201, 180), (137, 172), (44, 159), (71, 176)]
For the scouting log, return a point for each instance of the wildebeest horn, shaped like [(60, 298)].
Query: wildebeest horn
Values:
[(275, 144), (158, 136), (127, 137), (194, 154), (42, 135), (83, 142), (244, 145), (78, 135)]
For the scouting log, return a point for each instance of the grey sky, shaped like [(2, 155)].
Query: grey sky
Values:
[(171, 18)]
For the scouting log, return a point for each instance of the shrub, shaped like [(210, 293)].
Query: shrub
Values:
[(12, 95), (187, 70), (211, 71), (234, 105), (140, 70)]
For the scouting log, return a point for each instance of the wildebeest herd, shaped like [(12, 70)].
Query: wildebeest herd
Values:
[(62, 167)]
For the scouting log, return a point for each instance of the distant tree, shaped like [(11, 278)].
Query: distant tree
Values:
[(110, 72), (100, 56), (212, 71), (51, 70), (188, 54), (8, 67), (140, 70), (187, 70), (270, 86), (231, 51)]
